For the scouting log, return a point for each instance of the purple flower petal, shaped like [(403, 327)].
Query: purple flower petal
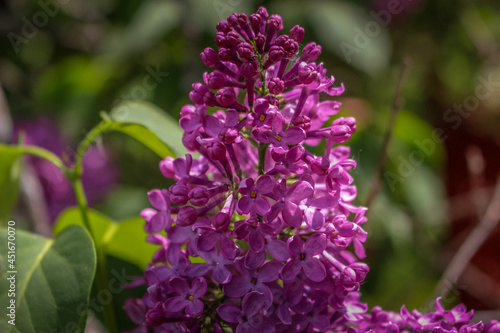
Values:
[(252, 303), (296, 245), (299, 191), (292, 215), (269, 271), (316, 244), (194, 308), (291, 270), (283, 312), (229, 312), (256, 241), (157, 199), (320, 322), (244, 205), (206, 241), (314, 269), (278, 250), (179, 286), (221, 274), (254, 260), (176, 303), (265, 184), (261, 205), (239, 286), (227, 247), (198, 287), (212, 126), (294, 135), (195, 270), (157, 223)]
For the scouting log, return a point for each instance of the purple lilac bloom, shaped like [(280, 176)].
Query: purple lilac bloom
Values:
[(258, 234), (99, 173)]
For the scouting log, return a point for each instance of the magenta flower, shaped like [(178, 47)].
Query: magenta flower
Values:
[(254, 280), (254, 200), (158, 220), (215, 263), (188, 297), (249, 318), (265, 230), (305, 259)]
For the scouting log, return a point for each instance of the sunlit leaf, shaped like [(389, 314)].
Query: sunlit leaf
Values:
[(155, 120), (123, 240)]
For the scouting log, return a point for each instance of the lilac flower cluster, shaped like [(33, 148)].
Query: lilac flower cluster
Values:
[(258, 229)]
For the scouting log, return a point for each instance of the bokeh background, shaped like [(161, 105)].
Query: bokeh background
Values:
[(63, 62)]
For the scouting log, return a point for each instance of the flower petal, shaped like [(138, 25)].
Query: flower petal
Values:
[(265, 184), (314, 269), (195, 270), (179, 286), (194, 308), (244, 205), (315, 244), (252, 303), (229, 312), (256, 241), (278, 250), (254, 260), (261, 205), (199, 287), (295, 246), (291, 270), (239, 286), (157, 200), (294, 135), (221, 274), (269, 271), (176, 303), (292, 215)]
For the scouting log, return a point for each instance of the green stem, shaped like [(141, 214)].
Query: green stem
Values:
[(74, 177), (262, 157), (101, 276), (104, 126)]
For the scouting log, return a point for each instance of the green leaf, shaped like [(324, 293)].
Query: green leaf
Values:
[(33, 150), (53, 281), (123, 240), (129, 242), (10, 172), (345, 29), (155, 120), (146, 137)]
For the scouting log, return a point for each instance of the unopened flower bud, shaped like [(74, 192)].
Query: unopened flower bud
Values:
[(199, 196)]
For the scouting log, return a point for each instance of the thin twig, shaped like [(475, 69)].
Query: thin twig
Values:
[(475, 166), (396, 106), (471, 244)]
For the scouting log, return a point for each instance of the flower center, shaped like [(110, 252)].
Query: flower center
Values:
[(262, 117), (253, 281), (253, 194), (302, 256), (334, 233), (190, 298), (278, 137)]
